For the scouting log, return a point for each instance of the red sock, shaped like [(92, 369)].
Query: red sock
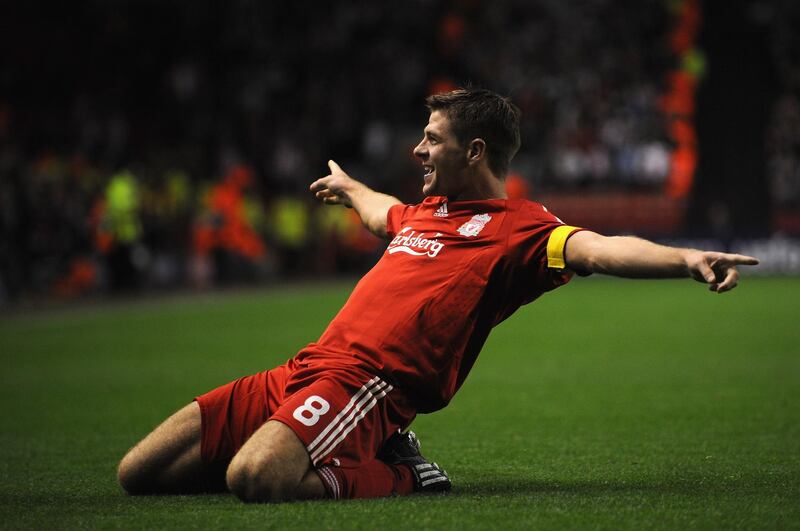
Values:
[(372, 480)]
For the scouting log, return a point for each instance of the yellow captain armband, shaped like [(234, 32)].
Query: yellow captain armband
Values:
[(555, 246)]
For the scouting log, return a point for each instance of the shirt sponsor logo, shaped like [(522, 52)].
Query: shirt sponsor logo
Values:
[(474, 226), (417, 244)]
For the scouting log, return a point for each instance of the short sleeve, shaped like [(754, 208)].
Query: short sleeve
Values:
[(556, 243), (537, 243), (394, 219)]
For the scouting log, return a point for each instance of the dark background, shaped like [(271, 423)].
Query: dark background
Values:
[(179, 96)]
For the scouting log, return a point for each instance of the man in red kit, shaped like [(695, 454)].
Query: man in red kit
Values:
[(331, 421)]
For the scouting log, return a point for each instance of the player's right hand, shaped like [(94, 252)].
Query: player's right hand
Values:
[(718, 270), (336, 188)]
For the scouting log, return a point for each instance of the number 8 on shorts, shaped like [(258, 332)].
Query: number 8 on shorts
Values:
[(310, 412)]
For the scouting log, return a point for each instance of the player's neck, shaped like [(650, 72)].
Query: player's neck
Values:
[(482, 186)]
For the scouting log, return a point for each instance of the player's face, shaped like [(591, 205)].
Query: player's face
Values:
[(444, 159)]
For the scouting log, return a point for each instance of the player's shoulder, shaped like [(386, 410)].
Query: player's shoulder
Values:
[(523, 204), (530, 210)]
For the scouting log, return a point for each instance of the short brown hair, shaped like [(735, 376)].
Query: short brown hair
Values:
[(480, 113)]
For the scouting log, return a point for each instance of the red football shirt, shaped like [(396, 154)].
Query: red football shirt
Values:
[(451, 272)]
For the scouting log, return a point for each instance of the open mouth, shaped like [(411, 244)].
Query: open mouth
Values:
[(428, 170)]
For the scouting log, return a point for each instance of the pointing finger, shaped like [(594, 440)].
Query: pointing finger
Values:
[(744, 259), (738, 259)]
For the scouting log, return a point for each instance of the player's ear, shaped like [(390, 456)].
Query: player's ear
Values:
[(476, 150)]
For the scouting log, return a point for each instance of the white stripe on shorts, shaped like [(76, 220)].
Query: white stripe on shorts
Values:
[(333, 485), (367, 403), (347, 419), (364, 389)]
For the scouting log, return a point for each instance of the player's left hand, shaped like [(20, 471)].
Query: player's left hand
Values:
[(718, 270), (336, 188)]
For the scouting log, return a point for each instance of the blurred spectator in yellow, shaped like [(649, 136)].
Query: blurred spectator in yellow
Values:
[(289, 227), (120, 231)]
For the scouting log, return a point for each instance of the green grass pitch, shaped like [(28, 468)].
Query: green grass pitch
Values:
[(605, 405)]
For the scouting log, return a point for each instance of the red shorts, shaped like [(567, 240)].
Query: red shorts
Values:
[(342, 415)]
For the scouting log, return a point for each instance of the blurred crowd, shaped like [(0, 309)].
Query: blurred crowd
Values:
[(147, 144)]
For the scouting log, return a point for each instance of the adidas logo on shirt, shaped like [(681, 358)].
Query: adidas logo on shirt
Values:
[(441, 212)]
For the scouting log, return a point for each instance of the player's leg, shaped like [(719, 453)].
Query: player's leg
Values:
[(399, 469), (276, 467), (273, 465), (168, 459), (322, 442), (191, 450)]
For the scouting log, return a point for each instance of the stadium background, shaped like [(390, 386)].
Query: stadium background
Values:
[(150, 146)]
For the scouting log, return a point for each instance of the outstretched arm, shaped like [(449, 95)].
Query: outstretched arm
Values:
[(627, 256), (338, 188)]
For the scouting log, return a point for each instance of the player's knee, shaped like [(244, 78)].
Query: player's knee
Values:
[(130, 476), (257, 480)]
